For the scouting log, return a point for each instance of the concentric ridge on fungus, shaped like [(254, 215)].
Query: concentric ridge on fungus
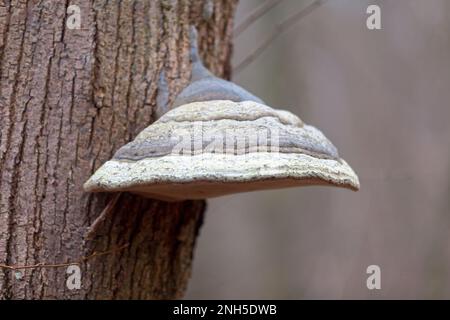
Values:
[(295, 154)]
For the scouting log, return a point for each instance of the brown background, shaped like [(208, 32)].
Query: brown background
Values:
[(382, 97)]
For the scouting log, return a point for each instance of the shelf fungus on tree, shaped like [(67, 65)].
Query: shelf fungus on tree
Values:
[(213, 148), (219, 139)]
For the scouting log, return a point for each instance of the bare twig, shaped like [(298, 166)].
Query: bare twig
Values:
[(255, 15), (102, 217), (57, 265), (277, 31)]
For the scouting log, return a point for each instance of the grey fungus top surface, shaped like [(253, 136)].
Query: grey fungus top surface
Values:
[(204, 86), (212, 88), (227, 120)]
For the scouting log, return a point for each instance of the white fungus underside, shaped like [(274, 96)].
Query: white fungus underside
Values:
[(176, 177)]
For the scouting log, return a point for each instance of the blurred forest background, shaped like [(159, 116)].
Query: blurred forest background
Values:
[(382, 97)]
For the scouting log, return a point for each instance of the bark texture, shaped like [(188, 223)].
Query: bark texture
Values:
[(68, 100)]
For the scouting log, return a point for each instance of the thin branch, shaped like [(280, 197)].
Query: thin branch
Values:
[(102, 217), (280, 28), (255, 15), (57, 265)]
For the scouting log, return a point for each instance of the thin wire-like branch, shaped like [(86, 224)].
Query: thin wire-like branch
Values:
[(277, 31), (255, 15), (57, 265), (102, 217)]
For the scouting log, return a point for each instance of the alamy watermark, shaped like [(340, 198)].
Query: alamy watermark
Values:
[(73, 281), (233, 141), (373, 22), (73, 20), (374, 280)]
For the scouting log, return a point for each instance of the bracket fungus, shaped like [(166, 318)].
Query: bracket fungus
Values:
[(219, 139)]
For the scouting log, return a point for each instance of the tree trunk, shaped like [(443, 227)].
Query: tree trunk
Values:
[(69, 98)]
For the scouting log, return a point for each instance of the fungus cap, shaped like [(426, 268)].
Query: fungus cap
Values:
[(213, 148)]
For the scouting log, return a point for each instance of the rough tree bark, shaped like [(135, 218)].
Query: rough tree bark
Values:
[(68, 100)]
